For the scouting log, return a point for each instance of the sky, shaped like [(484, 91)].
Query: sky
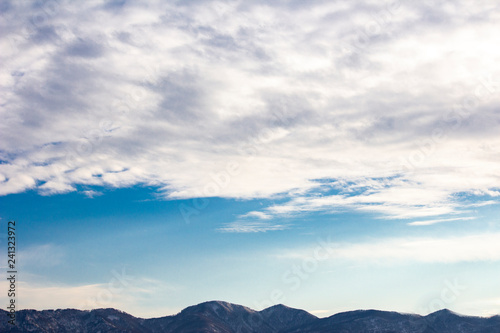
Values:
[(326, 155)]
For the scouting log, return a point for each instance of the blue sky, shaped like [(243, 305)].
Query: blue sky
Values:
[(328, 155)]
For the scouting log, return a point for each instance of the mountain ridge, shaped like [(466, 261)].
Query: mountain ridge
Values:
[(224, 317)]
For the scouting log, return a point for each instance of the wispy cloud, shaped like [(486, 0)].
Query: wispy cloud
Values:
[(173, 94), (130, 297), (471, 248), (392, 198), (45, 255), (252, 226), (430, 222), (256, 214), (92, 193)]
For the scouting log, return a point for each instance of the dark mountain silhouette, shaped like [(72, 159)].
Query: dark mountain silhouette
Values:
[(223, 317), (282, 318)]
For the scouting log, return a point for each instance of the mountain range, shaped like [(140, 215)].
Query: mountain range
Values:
[(223, 317)]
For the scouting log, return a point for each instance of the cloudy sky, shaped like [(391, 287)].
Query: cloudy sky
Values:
[(328, 155)]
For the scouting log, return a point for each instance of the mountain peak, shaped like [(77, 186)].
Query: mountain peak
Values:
[(216, 307), (277, 307), (280, 316), (444, 312)]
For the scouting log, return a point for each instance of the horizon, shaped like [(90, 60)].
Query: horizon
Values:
[(328, 155), (272, 306)]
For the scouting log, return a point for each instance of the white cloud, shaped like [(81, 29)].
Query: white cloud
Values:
[(394, 198), (486, 307), (139, 296), (256, 214), (252, 227), (171, 94), (45, 255), (472, 248), (430, 222), (92, 194)]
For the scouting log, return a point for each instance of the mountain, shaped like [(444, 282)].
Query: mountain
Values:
[(213, 316), (282, 318), (223, 317), (70, 320), (442, 321)]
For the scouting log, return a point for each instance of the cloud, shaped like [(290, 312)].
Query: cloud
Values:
[(45, 255), (91, 194), (256, 214), (430, 222), (172, 94), (124, 294), (471, 248), (490, 306), (392, 198), (251, 227)]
